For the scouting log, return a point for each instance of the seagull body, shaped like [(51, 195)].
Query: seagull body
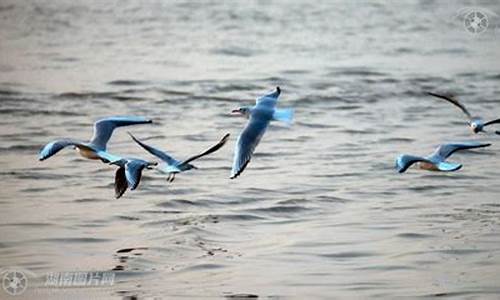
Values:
[(172, 166), (476, 123), (129, 174), (259, 115), (96, 147), (437, 160)]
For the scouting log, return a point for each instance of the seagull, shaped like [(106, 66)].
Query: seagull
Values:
[(437, 160), (477, 124), (259, 115), (96, 148), (129, 174), (173, 166)]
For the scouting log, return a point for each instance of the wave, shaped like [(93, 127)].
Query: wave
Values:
[(23, 112), (128, 82)]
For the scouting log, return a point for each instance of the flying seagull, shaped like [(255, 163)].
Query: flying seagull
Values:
[(173, 166), (129, 174), (259, 115), (437, 160), (476, 123), (96, 148)]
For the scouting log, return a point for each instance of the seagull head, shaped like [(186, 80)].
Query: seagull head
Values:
[(151, 164), (242, 111), (476, 126)]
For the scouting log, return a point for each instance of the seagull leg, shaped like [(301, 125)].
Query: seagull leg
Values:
[(168, 178), (173, 177)]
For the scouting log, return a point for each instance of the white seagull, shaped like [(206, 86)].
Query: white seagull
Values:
[(437, 160), (172, 166), (96, 148), (259, 115), (476, 123)]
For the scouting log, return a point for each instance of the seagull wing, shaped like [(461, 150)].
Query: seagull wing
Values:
[(403, 162), (156, 152), (212, 149), (269, 100), (246, 143), (454, 102), (492, 122), (121, 184), (446, 150), (133, 172), (109, 158), (103, 129), (56, 146)]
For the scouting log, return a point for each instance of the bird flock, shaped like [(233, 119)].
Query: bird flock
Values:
[(437, 160), (129, 172)]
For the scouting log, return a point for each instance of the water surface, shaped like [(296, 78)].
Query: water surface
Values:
[(319, 213)]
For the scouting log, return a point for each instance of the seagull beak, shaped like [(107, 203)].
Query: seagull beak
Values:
[(236, 112)]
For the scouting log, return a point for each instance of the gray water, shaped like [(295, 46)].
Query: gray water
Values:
[(320, 212)]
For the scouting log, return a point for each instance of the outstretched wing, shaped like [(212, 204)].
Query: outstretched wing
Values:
[(492, 122), (246, 143), (403, 162), (133, 172), (56, 146), (454, 102), (270, 99), (121, 184), (156, 152), (446, 150), (212, 149), (110, 158), (103, 129)]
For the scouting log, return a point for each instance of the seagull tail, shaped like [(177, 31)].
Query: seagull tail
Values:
[(448, 167), (284, 115)]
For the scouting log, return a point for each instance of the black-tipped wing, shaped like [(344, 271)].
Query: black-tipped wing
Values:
[(454, 102), (446, 150), (403, 162), (103, 129), (156, 152), (246, 143), (121, 184), (212, 149), (270, 99), (492, 122), (56, 146)]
